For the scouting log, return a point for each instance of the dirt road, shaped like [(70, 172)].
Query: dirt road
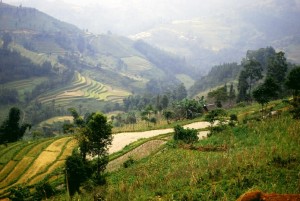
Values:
[(120, 140)]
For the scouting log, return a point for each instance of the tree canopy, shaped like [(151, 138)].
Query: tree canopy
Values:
[(10, 130)]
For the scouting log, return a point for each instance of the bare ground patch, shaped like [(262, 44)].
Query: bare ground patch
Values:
[(140, 152)]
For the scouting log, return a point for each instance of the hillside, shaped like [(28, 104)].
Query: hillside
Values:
[(93, 71), (252, 155), (226, 33)]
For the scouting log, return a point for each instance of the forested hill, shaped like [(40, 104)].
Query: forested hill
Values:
[(31, 20), (218, 75), (229, 72)]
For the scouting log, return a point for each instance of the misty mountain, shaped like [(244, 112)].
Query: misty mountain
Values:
[(225, 37), (50, 65), (205, 33)]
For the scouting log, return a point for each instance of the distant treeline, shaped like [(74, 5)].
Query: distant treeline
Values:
[(217, 76), (228, 72)]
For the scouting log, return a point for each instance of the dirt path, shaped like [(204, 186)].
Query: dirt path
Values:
[(120, 140)]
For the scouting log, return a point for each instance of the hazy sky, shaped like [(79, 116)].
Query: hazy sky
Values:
[(132, 16)]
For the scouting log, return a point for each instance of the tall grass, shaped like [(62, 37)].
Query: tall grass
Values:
[(261, 155)]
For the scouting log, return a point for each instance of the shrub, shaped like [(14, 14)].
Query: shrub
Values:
[(186, 135), (128, 162), (233, 117), (43, 191), (19, 192)]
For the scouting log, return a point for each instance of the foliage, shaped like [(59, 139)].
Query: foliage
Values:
[(217, 76), (43, 191), (292, 81), (7, 39), (262, 55), (215, 115), (219, 95), (231, 95), (294, 84), (19, 193), (243, 87), (99, 136), (277, 68), (187, 109), (10, 130), (168, 114), (265, 92), (160, 99), (8, 96), (252, 73), (263, 155), (188, 136), (76, 172), (128, 162)]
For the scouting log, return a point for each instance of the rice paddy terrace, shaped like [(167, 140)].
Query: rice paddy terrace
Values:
[(31, 162), (81, 88)]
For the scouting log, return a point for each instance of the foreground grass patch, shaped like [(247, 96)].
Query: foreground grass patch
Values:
[(261, 155)]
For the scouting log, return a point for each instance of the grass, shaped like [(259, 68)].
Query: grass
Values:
[(145, 126), (261, 155)]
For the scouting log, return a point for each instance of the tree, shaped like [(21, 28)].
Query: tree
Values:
[(168, 115), (294, 84), (7, 39), (293, 80), (94, 135), (76, 172), (253, 70), (215, 115), (242, 87), (131, 118), (78, 120), (187, 109), (10, 130), (231, 95), (266, 92), (186, 135), (220, 94), (99, 135), (180, 92), (277, 68), (165, 101)]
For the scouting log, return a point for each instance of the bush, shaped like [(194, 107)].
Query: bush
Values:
[(233, 117), (186, 135), (19, 192), (43, 191), (128, 162)]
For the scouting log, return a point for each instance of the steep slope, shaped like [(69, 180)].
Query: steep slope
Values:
[(110, 67)]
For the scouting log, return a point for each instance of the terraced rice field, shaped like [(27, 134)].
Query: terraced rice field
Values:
[(37, 58), (137, 64), (83, 87), (29, 163)]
